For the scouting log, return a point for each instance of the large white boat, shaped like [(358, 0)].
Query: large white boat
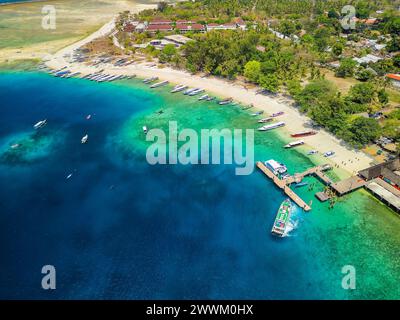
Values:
[(275, 167), (282, 218), (272, 126)]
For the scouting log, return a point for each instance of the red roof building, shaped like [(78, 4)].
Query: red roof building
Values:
[(225, 26), (395, 79), (196, 27), (183, 22), (160, 21), (129, 27), (159, 27)]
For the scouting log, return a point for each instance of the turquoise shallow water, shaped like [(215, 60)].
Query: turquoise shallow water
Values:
[(122, 229)]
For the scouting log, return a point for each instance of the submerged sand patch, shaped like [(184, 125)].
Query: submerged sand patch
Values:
[(22, 35)]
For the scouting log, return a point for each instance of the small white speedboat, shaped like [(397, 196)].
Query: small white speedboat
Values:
[(40, 124), (145, 129), (85, 139)]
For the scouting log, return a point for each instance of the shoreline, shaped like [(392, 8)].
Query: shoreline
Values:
[(350, 161)]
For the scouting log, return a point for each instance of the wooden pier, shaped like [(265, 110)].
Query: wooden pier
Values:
[(336, 189), (282, 184)]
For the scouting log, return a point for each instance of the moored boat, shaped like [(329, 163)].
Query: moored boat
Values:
[(203, 97), (282, 218), (186, 92), (329, 154), (272, 126), (196, 92), (275, 167), (151, 79), (264, 120), (257, 113), (178, 88), (159, 84), (277, 114), (294, 144), (304, 134), (145, 129), (226, 101), (301, 184)]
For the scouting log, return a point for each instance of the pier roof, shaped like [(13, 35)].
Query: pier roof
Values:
[(386, 192)]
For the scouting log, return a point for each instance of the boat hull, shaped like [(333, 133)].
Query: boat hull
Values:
[(303, 134), (282, 218)]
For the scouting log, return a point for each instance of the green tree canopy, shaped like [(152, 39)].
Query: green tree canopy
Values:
[(346, 68), (365, 130), (362, 93), (252, 70)]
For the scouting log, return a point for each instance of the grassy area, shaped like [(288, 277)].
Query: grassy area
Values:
[(394, 97), (343, 84)]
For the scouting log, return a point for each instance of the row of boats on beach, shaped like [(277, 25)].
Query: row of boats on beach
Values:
[(187, 91), (98, 76), (279, 124), (206, 97)]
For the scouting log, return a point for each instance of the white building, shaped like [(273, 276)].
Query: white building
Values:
[(367, 59), (225, 26)]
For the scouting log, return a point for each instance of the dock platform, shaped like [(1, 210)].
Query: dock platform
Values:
[(348, 185), (282, 184)]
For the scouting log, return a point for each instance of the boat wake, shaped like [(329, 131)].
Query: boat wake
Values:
[(293, 224)]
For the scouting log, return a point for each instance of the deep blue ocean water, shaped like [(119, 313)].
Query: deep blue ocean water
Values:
[(122, 229)]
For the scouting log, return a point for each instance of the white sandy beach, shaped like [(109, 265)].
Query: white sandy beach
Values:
[(348, 159)]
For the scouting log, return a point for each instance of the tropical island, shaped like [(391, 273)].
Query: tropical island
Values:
[(321, 99), (344, 80)]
